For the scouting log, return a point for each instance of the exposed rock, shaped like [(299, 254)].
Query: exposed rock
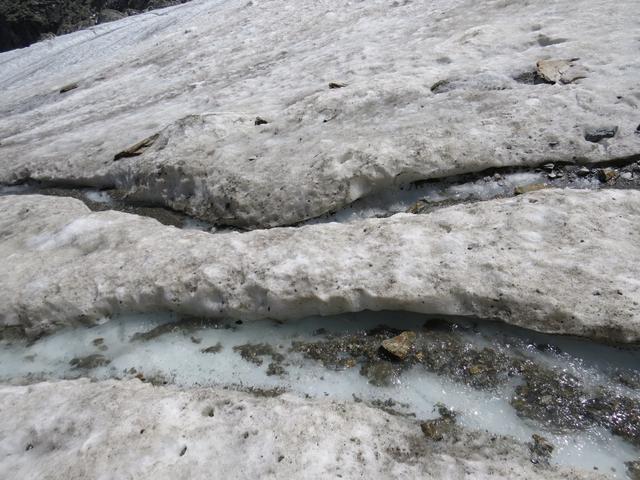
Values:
[(596, 134), (253, 352), (608, 175), (217, 348), (400, 345), (541, 449), (559, 401), (69, 87), (560, 71), (532, 187), (260, 121), (442, 428), (275, 369), (69, 265), (380, 373), (90, 361), (441, 86), (334, 85), (137, 149), (633, 470)]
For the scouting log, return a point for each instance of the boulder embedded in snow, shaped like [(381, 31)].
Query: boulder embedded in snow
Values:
[(516, 259), (201, 73), (563, 71), (594, 135)]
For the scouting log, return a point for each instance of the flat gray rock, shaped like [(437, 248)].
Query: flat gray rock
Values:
[(554, 261)]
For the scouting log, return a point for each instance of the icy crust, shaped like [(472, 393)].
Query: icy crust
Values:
[(128, 429), (554, 261), (430, 90)]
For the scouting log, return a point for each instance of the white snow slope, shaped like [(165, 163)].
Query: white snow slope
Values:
[(202, 72)]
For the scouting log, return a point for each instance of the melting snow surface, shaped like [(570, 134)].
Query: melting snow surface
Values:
[(175, 356)]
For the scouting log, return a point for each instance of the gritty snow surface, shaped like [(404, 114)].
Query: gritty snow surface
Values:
[(555, 261), (273, 131), (427, 89), (126, 429)]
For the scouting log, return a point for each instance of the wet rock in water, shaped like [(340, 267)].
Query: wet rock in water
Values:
[(441, 428), (97, 341), (541, 449), (608, 175), (380, 373), (555, 400), (446, 355), (629, 379), (137, 149), (275, 369), (559, 70), (196, 340), (596, 134), (217, 348), (89, 362), (559, 401), (252, 352), (260, 121), (334, 85), (583, 172), (69, 87), (617, 413), (633, 469), (522, 189), (346, 350), (400, 346), (183, 326)]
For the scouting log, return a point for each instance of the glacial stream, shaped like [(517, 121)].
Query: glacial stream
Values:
[(495, 377)]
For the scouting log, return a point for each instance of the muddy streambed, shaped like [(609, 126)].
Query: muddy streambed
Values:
[(583, 398)]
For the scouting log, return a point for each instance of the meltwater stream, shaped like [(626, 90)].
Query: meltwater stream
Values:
[(497, 378)]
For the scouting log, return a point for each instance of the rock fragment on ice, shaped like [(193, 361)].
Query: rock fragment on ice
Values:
[(89, 362), (608, 175), (400, 346), (69, 87), (541, 449), (594, 135), (532, 187), (560, 70), (633, 469), (137, 149)]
